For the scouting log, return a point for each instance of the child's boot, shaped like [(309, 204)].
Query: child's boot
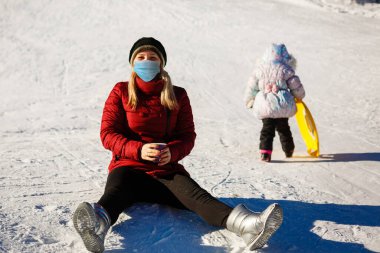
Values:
[(289, 153), (265, 155), (92, 223), (255, 228)]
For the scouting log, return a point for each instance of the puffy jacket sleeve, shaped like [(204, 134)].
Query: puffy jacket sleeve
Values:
[(294, 84), (251, 90), (114, 125), (183, 135)]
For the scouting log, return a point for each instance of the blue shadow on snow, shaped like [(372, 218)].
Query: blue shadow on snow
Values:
[(342, 157), (295, 234), (155, 228), (354, 157)]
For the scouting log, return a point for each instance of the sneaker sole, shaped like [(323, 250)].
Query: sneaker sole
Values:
[(84, 220), (273, 222)]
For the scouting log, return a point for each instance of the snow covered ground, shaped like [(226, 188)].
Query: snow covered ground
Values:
[(60, 59), (367, 8)]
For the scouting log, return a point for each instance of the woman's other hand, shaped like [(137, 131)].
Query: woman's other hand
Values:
[(165, 156)]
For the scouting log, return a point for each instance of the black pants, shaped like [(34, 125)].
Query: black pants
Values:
[(126, 186), (268, 133)]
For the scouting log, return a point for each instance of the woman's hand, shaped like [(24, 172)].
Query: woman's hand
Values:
[(151, 152), (165, 156)]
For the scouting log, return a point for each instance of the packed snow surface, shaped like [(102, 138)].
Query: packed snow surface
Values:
[(60, 59)]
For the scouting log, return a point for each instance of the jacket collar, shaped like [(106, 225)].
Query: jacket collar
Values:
[(153, 87)]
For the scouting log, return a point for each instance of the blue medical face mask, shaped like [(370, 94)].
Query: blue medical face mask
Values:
[(147, 70)]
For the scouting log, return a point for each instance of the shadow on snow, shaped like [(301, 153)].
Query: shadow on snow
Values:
[(155, 228), (342, 157)]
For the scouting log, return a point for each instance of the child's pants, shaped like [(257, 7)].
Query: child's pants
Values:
[(268, 133), (126, 186)]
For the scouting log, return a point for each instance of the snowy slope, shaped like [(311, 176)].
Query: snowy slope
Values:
[(60, 59), (367, 8)]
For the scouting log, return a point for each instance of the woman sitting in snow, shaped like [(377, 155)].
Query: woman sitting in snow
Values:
[(148, 125), (271, 91)]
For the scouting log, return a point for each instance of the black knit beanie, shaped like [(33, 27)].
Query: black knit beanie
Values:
[(148, 43)]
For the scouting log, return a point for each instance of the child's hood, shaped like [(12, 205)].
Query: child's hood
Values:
[(277, 54)]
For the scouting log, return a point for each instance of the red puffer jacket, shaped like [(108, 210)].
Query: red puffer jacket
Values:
[(124, 131)]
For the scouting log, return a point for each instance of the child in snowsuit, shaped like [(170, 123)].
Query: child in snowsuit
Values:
[(271, 91)]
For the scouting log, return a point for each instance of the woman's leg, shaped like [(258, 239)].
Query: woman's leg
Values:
[(198, 200), (126, 186)]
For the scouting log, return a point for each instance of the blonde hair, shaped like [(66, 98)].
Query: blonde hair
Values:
[(168, 99)]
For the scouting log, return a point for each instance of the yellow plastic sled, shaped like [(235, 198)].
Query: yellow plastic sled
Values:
[(307, 128)]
